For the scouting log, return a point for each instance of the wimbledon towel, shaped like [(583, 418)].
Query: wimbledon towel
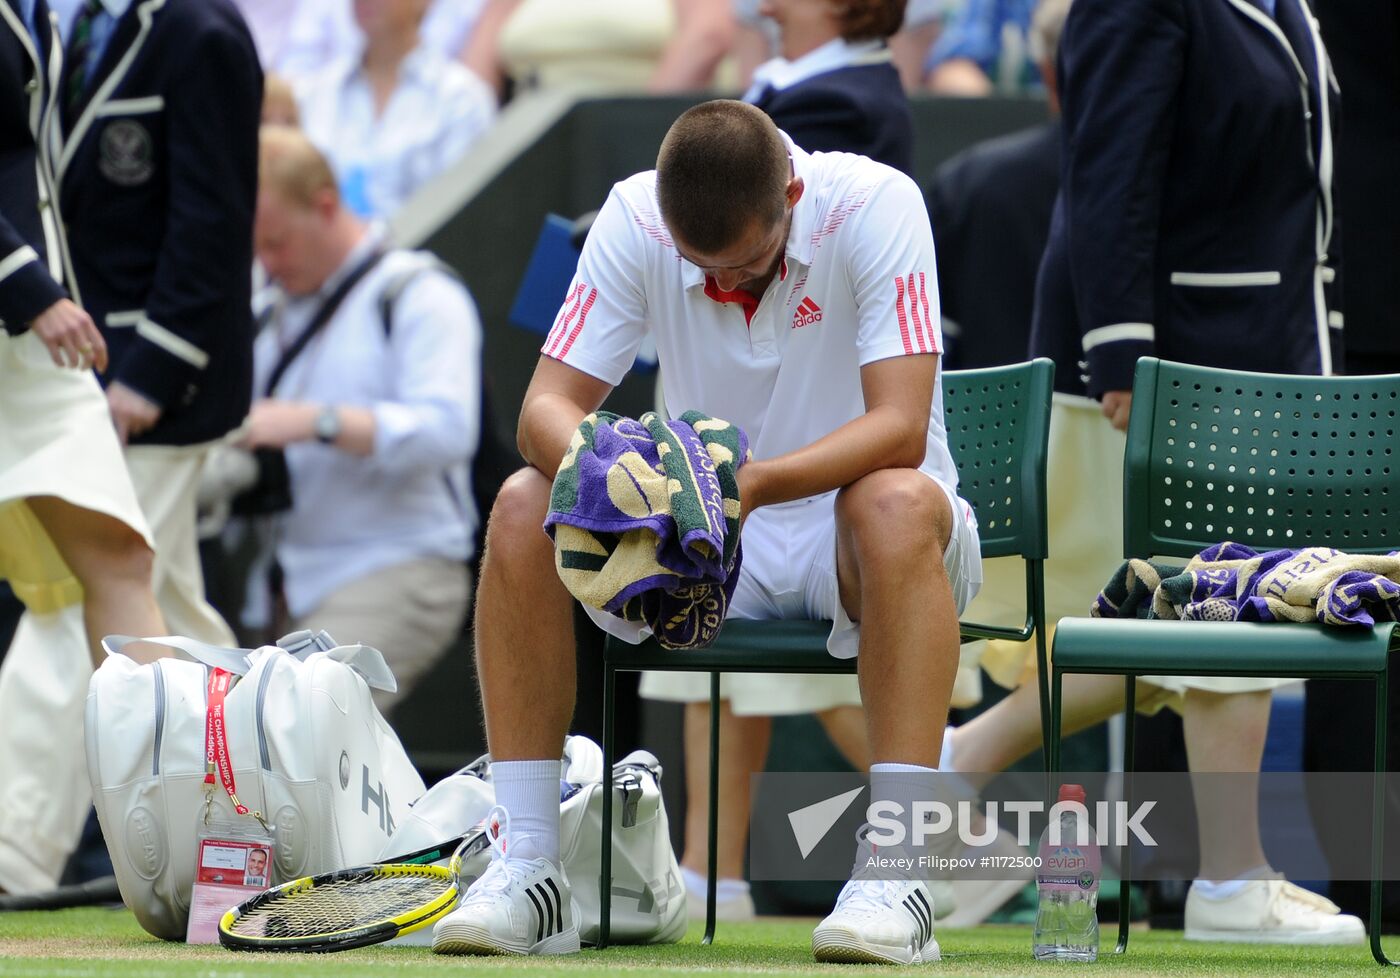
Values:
[(1231, 582), (645, 520)]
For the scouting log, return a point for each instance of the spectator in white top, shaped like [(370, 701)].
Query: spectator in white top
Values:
[(397, 115), (378, 414), (297, 38)]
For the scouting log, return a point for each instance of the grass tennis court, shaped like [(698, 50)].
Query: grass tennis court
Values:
[(99, 943)]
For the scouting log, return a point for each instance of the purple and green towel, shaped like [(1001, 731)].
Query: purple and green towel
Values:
[(1231, 582), (645, 520)]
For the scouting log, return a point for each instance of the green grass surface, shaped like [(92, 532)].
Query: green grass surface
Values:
[(101, 943)]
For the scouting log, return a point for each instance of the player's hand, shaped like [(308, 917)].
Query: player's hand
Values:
[(276, 424), (132, 414), (71, 337), (1116, 406)]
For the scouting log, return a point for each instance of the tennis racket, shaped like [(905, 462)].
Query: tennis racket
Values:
[(352, 908)]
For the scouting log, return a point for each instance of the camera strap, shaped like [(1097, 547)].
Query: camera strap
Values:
[(323, 316)]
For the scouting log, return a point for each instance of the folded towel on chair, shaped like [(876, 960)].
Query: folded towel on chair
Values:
[(1231, 582), (645, 520)]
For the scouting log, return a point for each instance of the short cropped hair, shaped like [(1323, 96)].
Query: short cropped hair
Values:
[(869, 20), (289, 164), (722, 166)]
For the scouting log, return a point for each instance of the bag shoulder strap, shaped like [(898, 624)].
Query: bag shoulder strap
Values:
[(399, 283), (323, 316)]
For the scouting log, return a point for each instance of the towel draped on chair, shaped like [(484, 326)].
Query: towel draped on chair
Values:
[(1231, 582), (645, 520)]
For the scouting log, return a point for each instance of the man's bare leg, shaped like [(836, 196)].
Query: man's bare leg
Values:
[(113, 564), (1225, 735), (846, 728), (891, 528), (743, 747), (992, 741), (524, 628)]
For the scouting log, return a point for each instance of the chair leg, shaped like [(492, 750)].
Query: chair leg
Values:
[(1378, 818), (712, 866), (1125, 887), (1052, 743), (605, 863), (1035, 573)]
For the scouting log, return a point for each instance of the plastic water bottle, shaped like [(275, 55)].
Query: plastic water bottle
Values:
[(1066, 921)]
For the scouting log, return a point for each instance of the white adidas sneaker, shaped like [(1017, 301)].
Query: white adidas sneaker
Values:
[(518, 906), (878, 922)]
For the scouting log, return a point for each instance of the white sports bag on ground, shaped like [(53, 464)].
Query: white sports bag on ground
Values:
[(307, 748), (648, 897)]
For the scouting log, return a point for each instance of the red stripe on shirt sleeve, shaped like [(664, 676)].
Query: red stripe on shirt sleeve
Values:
[(914, 314), (578, 326), (561, 326), (923, 298), (899, 311)]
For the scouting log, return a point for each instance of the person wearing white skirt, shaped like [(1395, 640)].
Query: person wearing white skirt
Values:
[(74, 544)]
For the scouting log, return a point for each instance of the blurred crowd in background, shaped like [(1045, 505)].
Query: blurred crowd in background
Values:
[(394, 91)]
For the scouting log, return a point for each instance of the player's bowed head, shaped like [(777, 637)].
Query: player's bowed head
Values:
[(726, 188)]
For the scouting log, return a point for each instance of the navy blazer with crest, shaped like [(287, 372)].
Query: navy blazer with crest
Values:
[(1195, 219), (158, 182), (31, 237)]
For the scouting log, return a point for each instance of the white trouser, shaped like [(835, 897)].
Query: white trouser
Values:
[(44, 788)]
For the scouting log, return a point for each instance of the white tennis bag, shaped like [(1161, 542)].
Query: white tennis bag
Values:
[(648, 897), (307, 748)]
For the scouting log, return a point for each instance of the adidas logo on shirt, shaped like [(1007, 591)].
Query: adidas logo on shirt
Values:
[(808, 312)]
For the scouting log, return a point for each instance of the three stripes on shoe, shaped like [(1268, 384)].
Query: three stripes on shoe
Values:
[(549, 914), (922, 913)]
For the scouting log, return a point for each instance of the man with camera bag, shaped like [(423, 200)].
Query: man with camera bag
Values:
[(368, 374)]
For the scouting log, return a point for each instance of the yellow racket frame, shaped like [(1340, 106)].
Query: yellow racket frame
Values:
[(362, 936)]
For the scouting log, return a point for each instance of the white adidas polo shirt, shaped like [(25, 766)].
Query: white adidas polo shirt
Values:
[(858, 285)]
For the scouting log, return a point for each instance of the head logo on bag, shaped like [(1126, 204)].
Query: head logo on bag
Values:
[(380, 798), (144, 845)]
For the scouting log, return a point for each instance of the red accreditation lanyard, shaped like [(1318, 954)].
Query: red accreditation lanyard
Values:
[(216, 755)]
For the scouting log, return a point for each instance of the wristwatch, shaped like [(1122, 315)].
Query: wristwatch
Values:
[(328, 424)]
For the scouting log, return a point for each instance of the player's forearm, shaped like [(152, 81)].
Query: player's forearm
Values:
[(547, 425), (883, 438)]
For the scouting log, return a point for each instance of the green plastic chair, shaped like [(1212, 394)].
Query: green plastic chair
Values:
[(998, 423), (1265, 460)]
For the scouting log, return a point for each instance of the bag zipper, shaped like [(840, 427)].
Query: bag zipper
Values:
[(160, 716), (263, 682)]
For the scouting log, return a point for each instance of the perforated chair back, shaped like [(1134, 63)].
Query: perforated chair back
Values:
[(998, 426), (1266, 460)]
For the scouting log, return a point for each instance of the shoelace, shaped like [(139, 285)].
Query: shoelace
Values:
[(1299, 898), (502, 872), (869, 896)]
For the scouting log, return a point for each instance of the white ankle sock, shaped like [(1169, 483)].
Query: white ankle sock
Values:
[(529, 791), (725, 889), (1224, 889), (906, 784)]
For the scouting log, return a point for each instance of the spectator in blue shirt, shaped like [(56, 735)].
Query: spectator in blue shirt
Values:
[(984, 48)]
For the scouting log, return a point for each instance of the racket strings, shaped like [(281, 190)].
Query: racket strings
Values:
[(340, 905)]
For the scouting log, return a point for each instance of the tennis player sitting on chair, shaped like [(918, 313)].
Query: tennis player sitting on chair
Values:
[(795, 296)]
